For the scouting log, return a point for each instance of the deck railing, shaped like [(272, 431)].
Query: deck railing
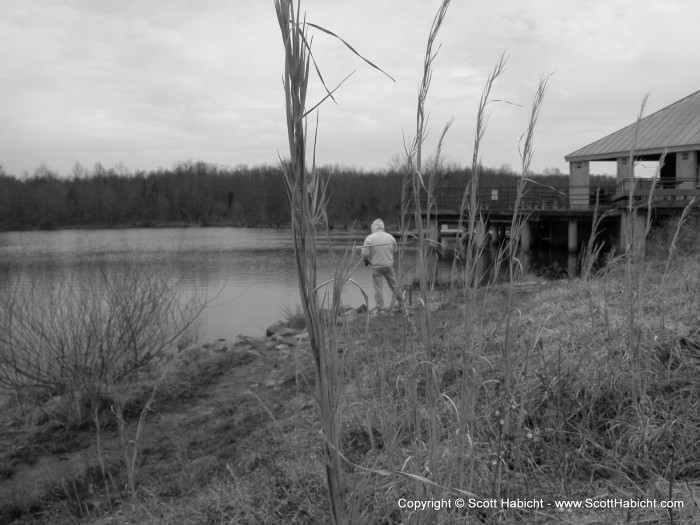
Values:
[(666, 191), (502, 198), (644, 185)]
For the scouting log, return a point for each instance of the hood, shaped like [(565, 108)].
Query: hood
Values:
[(377, 225)]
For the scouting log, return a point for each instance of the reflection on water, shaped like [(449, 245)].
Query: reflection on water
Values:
[(247, 275)]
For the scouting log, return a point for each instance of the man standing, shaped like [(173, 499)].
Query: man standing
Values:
[(378, 250)]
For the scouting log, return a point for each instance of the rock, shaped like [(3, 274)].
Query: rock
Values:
[(289, 341), (252, 352), (248, 341), (288, 332), (433, 306), (348, 317), (220, 347), (275, 328)]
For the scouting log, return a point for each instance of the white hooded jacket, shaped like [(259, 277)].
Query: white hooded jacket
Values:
[(379, 246)]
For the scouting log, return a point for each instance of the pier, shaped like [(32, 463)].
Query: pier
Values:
[(563, 216)]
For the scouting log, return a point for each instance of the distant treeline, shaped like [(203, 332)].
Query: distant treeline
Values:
[(197, 193)]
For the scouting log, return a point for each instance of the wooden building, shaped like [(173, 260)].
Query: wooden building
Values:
[(670, 136), (563, 216)]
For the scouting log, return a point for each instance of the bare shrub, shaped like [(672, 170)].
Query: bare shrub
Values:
[(78, 339)]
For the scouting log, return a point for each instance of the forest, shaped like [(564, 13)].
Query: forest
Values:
[(202, 194)]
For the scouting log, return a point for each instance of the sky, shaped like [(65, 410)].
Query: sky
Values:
[(145, 84)]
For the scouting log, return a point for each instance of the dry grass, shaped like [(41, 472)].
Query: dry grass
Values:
[(581, 426)]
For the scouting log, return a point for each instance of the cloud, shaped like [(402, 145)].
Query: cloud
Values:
[(150, 83)]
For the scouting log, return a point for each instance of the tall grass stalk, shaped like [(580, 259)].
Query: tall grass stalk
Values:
[(636, 270), (470, 206), (307, 196), (307, 208), (514, 265), (131, 443), (594, 247), (634, 240), (641, 267), (106, 477), (674, 241), (414, 157), (468, 255), (589, 257)]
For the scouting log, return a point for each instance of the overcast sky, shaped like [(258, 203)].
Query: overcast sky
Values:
[(151, 83)]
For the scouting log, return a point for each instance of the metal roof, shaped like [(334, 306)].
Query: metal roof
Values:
[(674, 128)]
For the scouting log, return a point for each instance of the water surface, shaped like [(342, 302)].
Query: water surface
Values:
[(248, 276)]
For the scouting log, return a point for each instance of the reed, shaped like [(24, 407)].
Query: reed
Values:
[(468, 254), (469, 208), (634, 237), (131, 439), (674, 241), (590, 256), (512, 255), (420, 186), (307, 196)]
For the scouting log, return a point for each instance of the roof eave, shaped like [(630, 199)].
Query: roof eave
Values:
[(613, 156)]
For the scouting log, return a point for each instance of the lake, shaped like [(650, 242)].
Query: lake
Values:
[(248, 276)]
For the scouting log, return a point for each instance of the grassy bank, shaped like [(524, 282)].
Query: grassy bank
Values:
[(584, 417)]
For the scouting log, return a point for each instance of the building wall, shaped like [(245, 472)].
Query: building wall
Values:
[(623, 169), (687, 168), (579, 184)]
